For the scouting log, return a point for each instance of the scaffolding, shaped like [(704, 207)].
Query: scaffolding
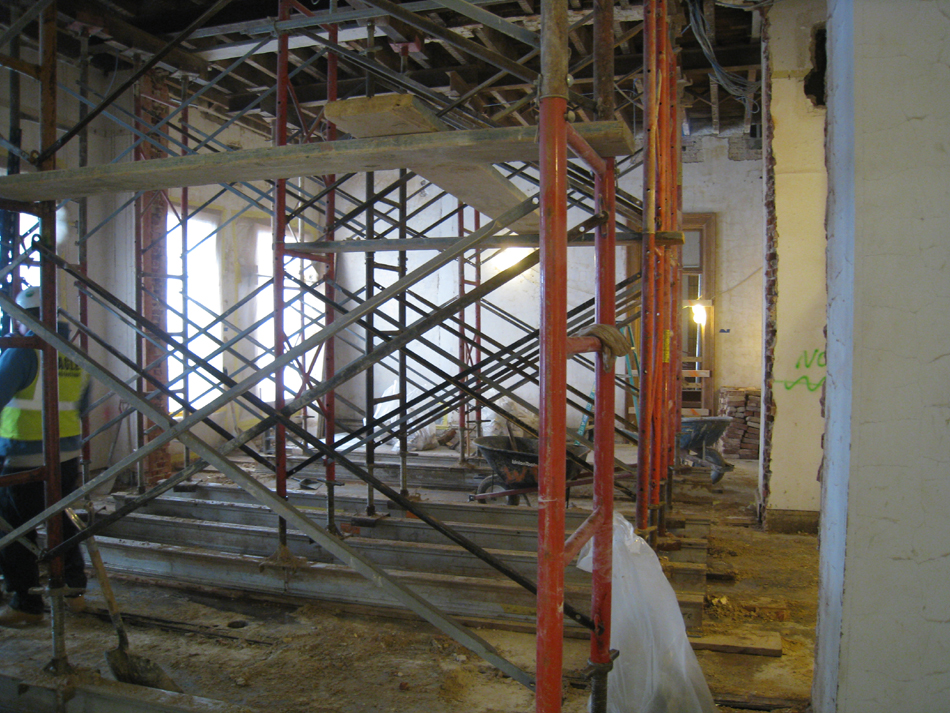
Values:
[(286, 390)]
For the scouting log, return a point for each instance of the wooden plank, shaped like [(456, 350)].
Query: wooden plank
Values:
[(752, 702), (383, 115), (609, 138), (762, 643), (697, 373), (481, 186)]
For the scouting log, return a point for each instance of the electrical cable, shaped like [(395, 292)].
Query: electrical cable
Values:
[(741, 88)]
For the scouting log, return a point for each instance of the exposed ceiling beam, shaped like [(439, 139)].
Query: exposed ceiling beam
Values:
[(107, 26)]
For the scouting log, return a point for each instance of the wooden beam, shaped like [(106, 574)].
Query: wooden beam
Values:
[(109, 26), (444, 148), (19, 65)]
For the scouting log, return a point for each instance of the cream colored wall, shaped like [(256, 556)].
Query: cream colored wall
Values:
[(883, 633), (800, 190)]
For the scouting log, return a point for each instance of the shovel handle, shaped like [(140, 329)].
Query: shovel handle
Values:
[(105, 585)]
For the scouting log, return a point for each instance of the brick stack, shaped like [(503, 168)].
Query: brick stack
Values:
[(744, 405)]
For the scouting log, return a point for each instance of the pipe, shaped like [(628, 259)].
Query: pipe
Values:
[(552, 442)]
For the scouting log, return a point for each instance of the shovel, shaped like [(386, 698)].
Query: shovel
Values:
[(126, 667)]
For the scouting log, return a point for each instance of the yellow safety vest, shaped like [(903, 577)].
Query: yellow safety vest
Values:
[(22, 417)]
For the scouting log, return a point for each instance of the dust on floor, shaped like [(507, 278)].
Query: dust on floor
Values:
[(292, 658)]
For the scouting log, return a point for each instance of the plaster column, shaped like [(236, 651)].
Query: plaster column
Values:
[(795, 273), (884, 613)]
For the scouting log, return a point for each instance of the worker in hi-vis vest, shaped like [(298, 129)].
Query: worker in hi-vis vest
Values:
[(21, 447)]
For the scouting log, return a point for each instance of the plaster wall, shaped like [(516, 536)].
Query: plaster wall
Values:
[(732, 190), (800, 191), (883, 634)]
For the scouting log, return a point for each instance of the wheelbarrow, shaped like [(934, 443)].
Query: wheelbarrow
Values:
[(514, 464), (697, 439)]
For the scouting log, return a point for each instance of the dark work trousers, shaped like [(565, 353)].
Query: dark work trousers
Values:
[(19, 503)]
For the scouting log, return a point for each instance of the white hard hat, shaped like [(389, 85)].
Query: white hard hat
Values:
[(30, 298)]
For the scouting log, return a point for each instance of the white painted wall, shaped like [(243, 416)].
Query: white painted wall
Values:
[(883, 634), (800, 189)]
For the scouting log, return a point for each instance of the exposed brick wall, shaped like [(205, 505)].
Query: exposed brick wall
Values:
[(771, 281)]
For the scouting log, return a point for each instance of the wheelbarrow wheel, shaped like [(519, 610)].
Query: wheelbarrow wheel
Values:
[(494, 484)]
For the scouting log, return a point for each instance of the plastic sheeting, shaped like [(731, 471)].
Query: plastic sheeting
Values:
[(657, 671)]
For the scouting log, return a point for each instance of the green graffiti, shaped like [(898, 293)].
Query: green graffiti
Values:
[(789, 385), (809, 359), (816, 358)]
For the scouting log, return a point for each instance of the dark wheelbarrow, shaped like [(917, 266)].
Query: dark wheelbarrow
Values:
[(697, 439), (514, 464)]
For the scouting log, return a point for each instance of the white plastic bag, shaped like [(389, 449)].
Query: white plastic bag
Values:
[(657, 671), (500, 425), (423, 439)]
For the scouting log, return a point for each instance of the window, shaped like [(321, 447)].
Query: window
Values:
[(194, 302)]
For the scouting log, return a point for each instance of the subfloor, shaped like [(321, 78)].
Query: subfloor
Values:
[(289, 657)]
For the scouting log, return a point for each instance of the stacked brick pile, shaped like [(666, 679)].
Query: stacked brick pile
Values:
[(744, 405)]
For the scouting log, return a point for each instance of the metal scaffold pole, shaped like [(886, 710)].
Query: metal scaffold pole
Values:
[(370, 283), (402, 366), (185, 302), (553, 417), (329, 349), (49, 361), (279, 231), (82, 227), (469, 354), (601, 657), (646, 453), (406, 332), (661, 362)]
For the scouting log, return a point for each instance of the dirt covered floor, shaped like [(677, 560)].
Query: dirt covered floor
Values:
[(294, 657)]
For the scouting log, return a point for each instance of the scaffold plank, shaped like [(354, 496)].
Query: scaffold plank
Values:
[(458, 148), (481, 186)]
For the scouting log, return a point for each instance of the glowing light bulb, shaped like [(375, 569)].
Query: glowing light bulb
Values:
[(699, 314)]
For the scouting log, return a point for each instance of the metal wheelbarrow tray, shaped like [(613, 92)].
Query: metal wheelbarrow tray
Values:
[(697, 439), (515, 472)]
